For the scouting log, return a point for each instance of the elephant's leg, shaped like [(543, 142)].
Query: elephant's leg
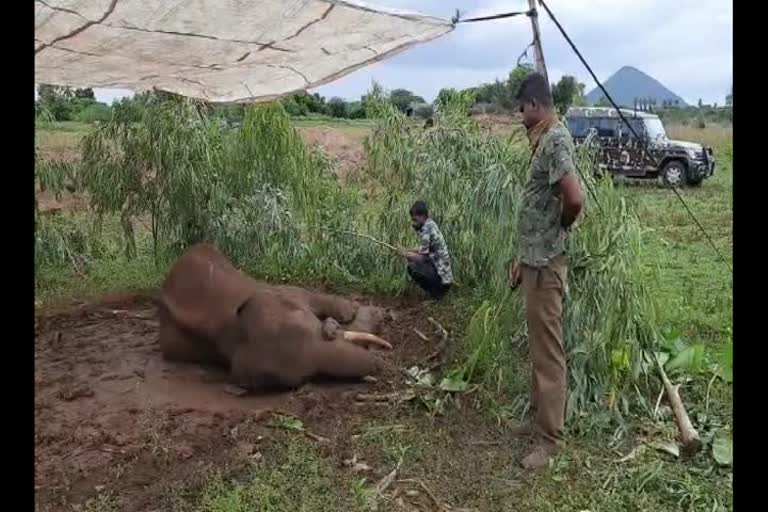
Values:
[(250, 370), (330, 329), (367, 319), (324, 305), (273, 354), (341, 359)]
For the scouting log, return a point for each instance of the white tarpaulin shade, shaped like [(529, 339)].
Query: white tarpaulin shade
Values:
[(217, 50)]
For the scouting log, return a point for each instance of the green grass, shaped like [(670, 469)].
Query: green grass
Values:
[(291, 477), (466, 462), (102, 266), (694, 288)]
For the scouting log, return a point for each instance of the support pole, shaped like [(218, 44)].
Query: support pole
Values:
[(537, 50)]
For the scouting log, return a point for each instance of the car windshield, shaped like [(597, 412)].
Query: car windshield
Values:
[(655, 129)]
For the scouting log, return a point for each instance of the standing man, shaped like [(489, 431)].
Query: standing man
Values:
[(552, 199), (429, 265)]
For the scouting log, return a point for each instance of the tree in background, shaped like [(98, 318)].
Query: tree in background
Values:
[(337, 107), (403, 98), (449, 99), (67, 104), (303, 104), (603, 102), (424, 111), (568, 92), (729, 98), (516, 77), (55, 100), (495, 93), (85, 94), (356, 110)]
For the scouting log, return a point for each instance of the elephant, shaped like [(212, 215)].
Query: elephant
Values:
[(267, 336)]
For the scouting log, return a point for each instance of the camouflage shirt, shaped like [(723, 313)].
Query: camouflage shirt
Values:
[(542, 236), (432, 244)]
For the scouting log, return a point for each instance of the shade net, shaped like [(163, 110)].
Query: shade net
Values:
[(217, 50)]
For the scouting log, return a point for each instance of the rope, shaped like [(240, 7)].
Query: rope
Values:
[(631, 128), (457, 17), (525, 52)]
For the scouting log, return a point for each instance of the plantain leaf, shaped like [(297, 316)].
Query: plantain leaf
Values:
[(689, 360), (454, 384), (669, 447), (725, 369), (722, 448)]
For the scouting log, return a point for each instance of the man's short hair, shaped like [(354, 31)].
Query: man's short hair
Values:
[(419, 208), (535, 87)]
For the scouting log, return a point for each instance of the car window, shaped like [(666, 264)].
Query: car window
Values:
[(625, 132), (655, 128), (606, 127), (578, 126), (637, 125)]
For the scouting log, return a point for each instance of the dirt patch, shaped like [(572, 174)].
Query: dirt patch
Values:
[(110, 413), (58, 145), (344, 147), (499, 124), (48, 203)]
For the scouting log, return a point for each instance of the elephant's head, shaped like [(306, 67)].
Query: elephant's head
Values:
[(290, 345)]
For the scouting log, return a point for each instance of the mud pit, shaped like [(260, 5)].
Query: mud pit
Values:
[(112, 415)]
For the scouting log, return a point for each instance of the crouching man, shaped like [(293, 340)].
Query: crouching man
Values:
[(429, 265)]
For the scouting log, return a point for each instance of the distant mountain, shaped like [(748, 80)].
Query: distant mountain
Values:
[(629, 83)]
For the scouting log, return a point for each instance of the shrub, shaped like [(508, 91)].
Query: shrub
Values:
[(96, 112)]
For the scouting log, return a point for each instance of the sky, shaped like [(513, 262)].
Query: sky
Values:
[(687, 45)]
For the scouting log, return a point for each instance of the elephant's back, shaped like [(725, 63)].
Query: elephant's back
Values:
[(203, 289)]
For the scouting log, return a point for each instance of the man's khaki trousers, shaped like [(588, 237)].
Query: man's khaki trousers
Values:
[(543, 289)]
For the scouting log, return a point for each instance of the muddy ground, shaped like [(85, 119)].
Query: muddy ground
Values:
[(344, 147), (111, 414)]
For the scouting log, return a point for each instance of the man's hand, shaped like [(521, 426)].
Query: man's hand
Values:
[(410, 255), (572, 197), (515, 274)]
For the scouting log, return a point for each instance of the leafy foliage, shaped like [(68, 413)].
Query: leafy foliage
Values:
[(402, 99), (502, 93), (337, 107), (164, 168), (566, 93), (66, 104), (472, 183)]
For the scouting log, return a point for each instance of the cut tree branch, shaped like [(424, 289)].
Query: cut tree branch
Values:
[(688, 435)]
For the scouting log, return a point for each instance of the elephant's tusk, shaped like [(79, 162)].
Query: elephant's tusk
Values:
[(365, 339)]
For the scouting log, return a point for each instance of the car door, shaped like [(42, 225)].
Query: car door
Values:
[(636, 152), (607, 129)]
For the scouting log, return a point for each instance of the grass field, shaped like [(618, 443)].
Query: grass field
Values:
[(463, 458)]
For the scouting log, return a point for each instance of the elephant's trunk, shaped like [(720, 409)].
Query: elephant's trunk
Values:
[(341, 359)]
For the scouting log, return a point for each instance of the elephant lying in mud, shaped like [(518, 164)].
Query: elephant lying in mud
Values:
[(268, 336)]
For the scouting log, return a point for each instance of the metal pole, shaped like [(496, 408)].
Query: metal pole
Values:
[(537, 50)]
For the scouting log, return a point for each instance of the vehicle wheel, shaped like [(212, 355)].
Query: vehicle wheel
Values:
[(673, 174)]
